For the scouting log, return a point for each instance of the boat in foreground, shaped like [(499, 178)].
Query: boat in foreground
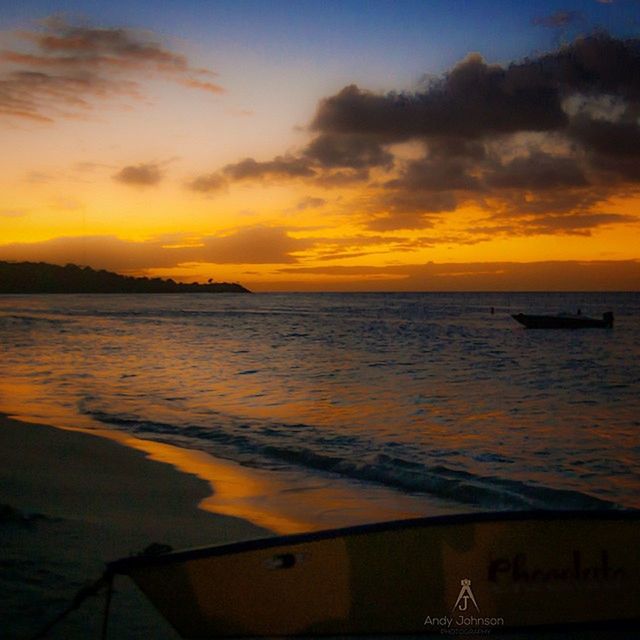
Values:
[(564, 321), (453, 574)]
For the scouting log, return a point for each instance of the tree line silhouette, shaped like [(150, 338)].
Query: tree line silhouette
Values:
[(41, 277)]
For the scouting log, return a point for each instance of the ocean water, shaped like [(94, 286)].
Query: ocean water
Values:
[(408, 403)]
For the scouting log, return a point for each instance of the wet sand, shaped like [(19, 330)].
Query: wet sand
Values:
[(72, 501)]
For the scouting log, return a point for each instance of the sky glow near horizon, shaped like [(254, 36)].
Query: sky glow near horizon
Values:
[(339, 146)]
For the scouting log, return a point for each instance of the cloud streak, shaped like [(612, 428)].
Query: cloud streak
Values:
[(556, 275), (275, 246), (252, 245), (279, 167), (141, 175), (64, 68)]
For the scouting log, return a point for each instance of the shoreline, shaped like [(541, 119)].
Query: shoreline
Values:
[(281, 502), (73, 498), (233, 490), (71, 501), (67, 460)]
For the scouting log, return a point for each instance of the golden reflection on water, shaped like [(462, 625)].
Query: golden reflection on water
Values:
[(281, 502), (262, 497), (267, 499), (20, 399), (235, 490)]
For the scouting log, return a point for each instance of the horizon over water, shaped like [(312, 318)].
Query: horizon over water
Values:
[(348, 407)]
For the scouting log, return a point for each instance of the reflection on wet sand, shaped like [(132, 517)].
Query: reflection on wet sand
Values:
[(283, 502)]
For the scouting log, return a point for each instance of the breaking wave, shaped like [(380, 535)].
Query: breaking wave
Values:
[(274, 445)]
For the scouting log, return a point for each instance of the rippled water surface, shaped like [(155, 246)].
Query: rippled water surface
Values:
[(427, 395)]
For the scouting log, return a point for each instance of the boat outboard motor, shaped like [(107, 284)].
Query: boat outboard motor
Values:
[(608, 318)]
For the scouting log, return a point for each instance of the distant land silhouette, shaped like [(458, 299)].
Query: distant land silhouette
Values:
[(41, 277)]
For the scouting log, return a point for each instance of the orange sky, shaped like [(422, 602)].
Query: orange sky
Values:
[(130, 151)]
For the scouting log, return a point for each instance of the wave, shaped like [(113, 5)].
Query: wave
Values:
[(277, 446)]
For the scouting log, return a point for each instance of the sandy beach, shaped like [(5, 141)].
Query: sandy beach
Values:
[(69, 502)]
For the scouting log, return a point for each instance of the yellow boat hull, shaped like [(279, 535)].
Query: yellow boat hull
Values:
[(469, 573)]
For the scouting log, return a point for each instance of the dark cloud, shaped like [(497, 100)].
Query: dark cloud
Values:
[(515, 203), (281, 166), (476, 100), (462, 149), (537, 171), (559, 19), (207, 183), (66, 67), (351, 151), (331, 161), (583, 98), (409, 209), (141, 175), (623, 172), (548, 212), (568, 223), (548, 136), (601, 137), (342, 178), (473, 100), (575, 223), (42, 97), (596, 65), (436, 174)]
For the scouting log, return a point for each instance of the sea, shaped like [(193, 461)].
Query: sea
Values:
[(343, 408)]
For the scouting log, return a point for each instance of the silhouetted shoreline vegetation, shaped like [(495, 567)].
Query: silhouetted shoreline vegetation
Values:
[(41, 277)]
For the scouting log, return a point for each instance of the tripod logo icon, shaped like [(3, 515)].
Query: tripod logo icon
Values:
[(462, 603)]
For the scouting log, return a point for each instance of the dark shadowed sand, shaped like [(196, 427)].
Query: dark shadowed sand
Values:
[(71, 501)]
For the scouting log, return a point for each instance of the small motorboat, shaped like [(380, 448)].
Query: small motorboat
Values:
[(470, 573), (564, 321)]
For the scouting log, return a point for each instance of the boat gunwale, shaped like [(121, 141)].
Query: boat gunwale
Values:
[(123, 566)]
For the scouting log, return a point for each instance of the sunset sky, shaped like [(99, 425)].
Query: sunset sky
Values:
[(307, 145)]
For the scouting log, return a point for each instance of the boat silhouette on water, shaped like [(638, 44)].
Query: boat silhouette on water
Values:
[(564, 321), (451, 574)]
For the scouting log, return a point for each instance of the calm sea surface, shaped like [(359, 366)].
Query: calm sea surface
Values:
[(404, 401)]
